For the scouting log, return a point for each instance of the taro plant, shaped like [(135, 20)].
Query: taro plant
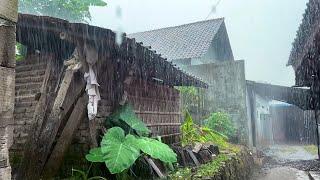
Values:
[(222, 123), (119, 149), (125, 118)]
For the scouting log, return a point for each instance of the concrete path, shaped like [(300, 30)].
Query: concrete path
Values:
[(289, 153), (277, 169), (281, 173)]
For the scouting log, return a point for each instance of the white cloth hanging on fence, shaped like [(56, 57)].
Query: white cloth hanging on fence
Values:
[(92, 89)]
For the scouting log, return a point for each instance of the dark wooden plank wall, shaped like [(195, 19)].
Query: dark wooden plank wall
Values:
[(293, 125)]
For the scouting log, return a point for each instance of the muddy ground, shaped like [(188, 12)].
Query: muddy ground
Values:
[(288, 162)]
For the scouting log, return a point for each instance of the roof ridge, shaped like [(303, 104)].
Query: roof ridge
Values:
[(221, 19)]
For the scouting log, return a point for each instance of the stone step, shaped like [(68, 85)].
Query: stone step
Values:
[(37, 79), (29, 67), (32, 73), (28, 86)]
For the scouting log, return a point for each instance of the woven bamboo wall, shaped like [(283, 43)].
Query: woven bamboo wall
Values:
[(159, 107)]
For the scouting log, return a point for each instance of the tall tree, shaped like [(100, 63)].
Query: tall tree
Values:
[(8, 19), (72, 10)]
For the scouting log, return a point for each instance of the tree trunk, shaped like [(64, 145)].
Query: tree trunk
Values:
[(8, 19)]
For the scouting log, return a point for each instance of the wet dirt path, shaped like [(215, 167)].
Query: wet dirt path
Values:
[(285, 162)]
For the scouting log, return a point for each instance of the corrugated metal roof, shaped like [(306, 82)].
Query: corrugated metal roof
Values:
[(180, 42)]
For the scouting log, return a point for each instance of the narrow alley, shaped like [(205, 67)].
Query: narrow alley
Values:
[(289, 162)]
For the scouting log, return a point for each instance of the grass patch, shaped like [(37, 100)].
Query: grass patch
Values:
[(311, 149)]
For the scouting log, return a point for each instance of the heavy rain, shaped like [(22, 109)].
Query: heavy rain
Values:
[(161, 89)]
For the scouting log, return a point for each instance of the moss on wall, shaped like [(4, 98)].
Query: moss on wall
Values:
[(233, 166)]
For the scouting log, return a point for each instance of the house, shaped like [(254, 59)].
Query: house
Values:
[(203, 49), (190, 44), (50, 105)]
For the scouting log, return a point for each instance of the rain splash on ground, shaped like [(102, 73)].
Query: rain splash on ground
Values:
[(288, 162)]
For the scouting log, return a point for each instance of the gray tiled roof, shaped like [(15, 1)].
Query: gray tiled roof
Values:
[(180, 42)]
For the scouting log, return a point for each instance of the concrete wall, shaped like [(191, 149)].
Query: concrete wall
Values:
[(219, 51), (264, 134), (8, 18), (226, 92), (259, 119), (6, 118)]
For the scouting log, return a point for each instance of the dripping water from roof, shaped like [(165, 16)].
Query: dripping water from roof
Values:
[(119, 30)]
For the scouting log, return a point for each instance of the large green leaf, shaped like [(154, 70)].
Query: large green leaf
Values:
[(157, 149), (126, 113), (95, 155), (120, 150)]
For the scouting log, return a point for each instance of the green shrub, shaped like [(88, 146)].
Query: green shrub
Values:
[(222, 123)]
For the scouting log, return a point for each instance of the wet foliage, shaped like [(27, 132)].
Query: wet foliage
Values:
[(73, 10), (222, 123), (192, 134), (205, 170), (21, 52)]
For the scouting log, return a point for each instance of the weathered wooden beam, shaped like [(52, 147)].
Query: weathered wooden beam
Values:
[(43, 103), (71, 88), (154, 167), (193, 157), (65, 139)]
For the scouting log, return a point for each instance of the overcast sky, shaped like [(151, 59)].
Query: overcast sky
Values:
[(261, 31)]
